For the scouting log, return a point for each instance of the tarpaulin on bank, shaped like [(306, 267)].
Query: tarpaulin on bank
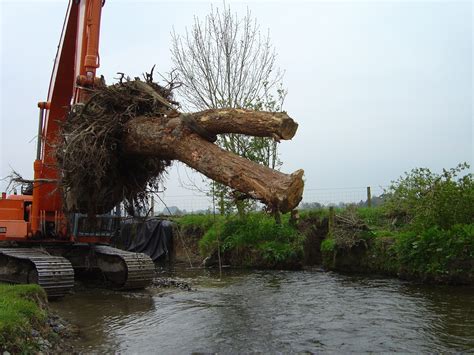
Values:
[(153, 237)]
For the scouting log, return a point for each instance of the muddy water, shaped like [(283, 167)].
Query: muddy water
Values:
[(274, 311)]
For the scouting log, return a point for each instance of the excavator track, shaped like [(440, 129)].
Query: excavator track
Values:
[(123, 269), (53, 273)]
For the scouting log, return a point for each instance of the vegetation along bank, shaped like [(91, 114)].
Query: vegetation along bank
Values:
[(423, 230), (26, 326)]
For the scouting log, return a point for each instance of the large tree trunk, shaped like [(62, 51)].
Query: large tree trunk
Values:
[(176, 138)]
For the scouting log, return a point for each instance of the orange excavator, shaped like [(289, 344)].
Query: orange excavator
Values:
[(39, 241)]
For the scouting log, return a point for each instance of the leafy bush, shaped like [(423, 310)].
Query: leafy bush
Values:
[(426, 199), (438, 253)]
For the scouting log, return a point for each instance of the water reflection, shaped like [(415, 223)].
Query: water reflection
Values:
[(97, 312), (277, 312), (451, 313)]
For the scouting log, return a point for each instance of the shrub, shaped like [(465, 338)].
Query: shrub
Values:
[(438, 253), (426, 199)]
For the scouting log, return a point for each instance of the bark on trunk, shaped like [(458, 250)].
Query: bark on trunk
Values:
[(176, 139), (253, 123)]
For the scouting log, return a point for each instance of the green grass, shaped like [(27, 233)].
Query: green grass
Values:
[(258, 235), (201, 221), (328, 245), (318, 213), (373, 216), (21, 308)]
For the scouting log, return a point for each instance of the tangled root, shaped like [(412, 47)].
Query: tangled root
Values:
[(96, 173)]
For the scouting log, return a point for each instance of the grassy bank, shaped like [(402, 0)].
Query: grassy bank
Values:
[(423, 230), (26, 326), (381, 246), (252, 241), (22, 310)]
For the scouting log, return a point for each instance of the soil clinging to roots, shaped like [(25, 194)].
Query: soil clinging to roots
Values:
[(96, 173)]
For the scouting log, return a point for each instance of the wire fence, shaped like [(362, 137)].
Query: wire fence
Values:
[(312, 198), (341, 195)]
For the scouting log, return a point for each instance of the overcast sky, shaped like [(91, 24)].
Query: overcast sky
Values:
[(377, 87)]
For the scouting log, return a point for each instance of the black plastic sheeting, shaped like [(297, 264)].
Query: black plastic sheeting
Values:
[(154, 237)]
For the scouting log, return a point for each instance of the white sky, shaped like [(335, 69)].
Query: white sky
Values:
[(377, 87)]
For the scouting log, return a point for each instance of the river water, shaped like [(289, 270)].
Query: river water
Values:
[(273, 311)]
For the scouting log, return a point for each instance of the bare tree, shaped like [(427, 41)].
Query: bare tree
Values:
[(225, 62)]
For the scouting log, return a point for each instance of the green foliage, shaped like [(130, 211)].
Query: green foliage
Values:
[(209, 241), (438, 253), (319, 213), (426, 199), (383, 233), (434, 254), (20, 309), (201, 221), (424, 230), (372, 216), (257, 233), (328, 245)]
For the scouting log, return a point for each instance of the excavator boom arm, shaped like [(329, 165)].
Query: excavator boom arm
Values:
[(74, 69)]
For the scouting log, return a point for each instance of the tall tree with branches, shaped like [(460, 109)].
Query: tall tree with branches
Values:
[(225, 62)]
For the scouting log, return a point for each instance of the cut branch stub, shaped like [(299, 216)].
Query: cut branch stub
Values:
[(252, 123), (174, 140)]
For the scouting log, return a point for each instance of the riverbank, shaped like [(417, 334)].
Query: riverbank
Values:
[(360, 240), (255, 241), (363, 240), (423, 229), (26, 324)]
